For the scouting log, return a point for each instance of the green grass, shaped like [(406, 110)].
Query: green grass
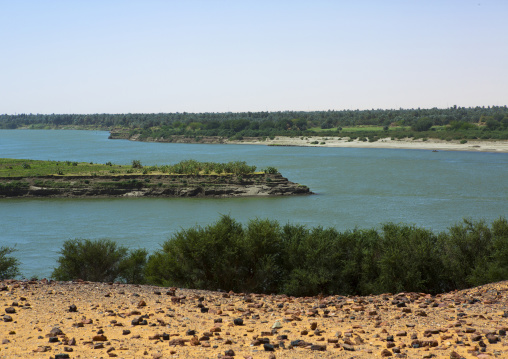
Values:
[(34, 168)]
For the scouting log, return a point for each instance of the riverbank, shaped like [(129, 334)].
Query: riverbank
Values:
[(154, 185), (84, 319), (431, 144)]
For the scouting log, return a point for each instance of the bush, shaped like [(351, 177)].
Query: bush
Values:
[(264, 257), (136, 164), (99, 261), (8, 265), (422, 124)]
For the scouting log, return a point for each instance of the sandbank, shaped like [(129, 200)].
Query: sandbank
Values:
[(429, 144)]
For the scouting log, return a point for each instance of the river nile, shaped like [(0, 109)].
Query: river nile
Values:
[(354, 188)]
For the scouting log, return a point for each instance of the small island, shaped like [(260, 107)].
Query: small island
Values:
[(32, 178)]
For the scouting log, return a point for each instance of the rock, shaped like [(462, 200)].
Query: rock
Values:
[(100, 338), (126, 332), (386, 353), (238, 321), (277, 325), (194, 341), (53, 339), (177, 341), (229, 353), (268, 347), (313, 326), (73, 308), (10, 310), (348, 347), (320, 348), (55, 331), (7, 318), (62, 356)]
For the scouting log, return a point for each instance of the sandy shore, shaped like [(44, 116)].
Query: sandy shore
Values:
[(430, 144), (42, 319)]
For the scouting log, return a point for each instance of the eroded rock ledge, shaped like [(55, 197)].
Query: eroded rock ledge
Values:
[(215, 186)]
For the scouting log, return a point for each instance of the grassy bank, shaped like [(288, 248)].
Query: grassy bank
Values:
[(34, 168)]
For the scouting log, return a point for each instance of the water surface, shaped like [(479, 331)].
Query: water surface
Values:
[(355, 188)]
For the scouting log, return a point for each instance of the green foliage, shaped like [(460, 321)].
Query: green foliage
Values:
[(136, 164), (422, 124), (8, 265), (265, 257), (99, 261), (271, 170), (462, 121)]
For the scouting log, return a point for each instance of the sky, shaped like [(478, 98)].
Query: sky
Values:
[(152, 56)]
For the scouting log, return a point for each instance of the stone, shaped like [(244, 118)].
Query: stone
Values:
[(313, 326), (7, 318), (230, 353), (10, 310), (100, 338), (277, 325), (317, 347), (348, 347), (386, 353), (73, 308), (268, 347), (55, 331), (238, 321)]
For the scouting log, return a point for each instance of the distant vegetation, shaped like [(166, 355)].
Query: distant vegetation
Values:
[(267, 257), (34, 168), (454, 123)]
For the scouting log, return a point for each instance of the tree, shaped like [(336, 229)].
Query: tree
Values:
[(99, 261), (422, 124), (8, 265)]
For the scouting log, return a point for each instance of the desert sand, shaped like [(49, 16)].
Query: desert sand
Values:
[(429, 144), (44, 319)]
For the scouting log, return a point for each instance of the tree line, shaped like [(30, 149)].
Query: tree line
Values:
[(265, 123), (265, 256)]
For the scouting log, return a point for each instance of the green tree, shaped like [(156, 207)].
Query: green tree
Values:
[(98, 261), (8, 265), (422, 124)]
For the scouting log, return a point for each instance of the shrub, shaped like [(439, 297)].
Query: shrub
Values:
[(136, 164), (98, 261), (8, 265), (265, 257), (422, 124), (271, 170)]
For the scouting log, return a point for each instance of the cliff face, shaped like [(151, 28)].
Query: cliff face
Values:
[(151, 186)]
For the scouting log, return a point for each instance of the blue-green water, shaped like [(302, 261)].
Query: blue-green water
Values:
[(355, 188)]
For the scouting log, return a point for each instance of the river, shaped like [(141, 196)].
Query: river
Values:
[(354, 188)]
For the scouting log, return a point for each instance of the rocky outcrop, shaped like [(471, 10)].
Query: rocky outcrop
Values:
[(152, 186)]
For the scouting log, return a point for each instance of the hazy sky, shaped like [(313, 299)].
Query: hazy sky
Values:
[(106, 56)]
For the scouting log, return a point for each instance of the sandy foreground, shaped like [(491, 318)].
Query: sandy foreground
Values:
[(429, 144), (42, 319)]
